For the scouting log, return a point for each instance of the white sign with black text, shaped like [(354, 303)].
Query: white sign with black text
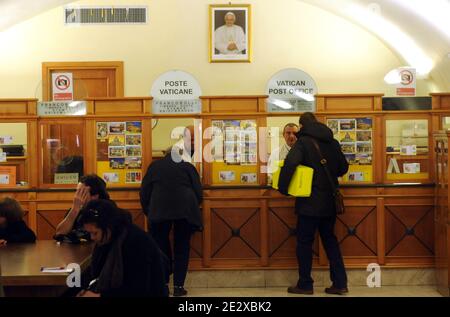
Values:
[(291, 90), (176, 92)]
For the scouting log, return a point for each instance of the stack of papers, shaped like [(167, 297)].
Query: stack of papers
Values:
[(55, 270)]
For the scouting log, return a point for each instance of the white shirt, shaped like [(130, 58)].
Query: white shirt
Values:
[(278, 154), (225, 35)]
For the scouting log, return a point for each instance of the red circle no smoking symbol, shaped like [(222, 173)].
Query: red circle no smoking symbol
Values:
[(62, 82)]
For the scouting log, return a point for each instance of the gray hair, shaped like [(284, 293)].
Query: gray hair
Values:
[(230, 13)]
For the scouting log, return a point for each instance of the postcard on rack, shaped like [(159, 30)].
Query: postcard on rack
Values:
[(117, 163), (102, 130), (411, 168), (347, 124), (116, 140), (111, 177), (134, 127), (116, 151), (356, 176), (364, 123), (227, 176), (333, 124), (408, 149)]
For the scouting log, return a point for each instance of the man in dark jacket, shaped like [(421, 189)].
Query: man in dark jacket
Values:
[(316, 212), (171, 194)]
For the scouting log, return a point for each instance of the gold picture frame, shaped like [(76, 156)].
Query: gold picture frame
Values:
[(237, 48)]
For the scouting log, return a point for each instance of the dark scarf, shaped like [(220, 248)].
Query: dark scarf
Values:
[(111, 274)]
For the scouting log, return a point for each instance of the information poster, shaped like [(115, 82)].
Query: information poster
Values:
[(7, 176), (355, 136), (119, 152)]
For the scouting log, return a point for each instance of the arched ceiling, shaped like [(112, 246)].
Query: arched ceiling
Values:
[(418, 31)]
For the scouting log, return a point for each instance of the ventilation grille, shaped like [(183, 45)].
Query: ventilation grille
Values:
[(105, 15)]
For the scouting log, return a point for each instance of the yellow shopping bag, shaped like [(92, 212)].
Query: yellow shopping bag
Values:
[(301, 182)]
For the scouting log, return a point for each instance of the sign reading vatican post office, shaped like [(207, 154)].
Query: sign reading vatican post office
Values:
[(176, 92), (291, 90)]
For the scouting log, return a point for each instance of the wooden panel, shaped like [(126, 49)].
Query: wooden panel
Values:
[(282, 233), (91, 79), (234, 105), (445, 102), (236, 233), (122, 107), (356, 231), (349, 104), (441, 215), (13, 108), (47, 221), (440, 101), (409, 230)]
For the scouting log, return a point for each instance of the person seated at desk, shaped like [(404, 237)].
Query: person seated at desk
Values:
[(279, 154), (126, 261), (12, 227), (91, 187)]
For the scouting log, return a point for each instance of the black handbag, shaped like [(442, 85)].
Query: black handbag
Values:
[(337, 195)]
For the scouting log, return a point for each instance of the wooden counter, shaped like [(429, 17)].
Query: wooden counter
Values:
[(21, 266), (254, 227)]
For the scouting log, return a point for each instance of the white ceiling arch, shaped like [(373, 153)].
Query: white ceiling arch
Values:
[(15, 11), (417, 31), (416, 37)]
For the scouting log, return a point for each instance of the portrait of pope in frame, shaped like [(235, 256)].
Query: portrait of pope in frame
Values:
[(229, 33)]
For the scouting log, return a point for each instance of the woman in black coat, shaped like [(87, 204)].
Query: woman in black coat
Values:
[(316, 212), (170, 195), (126, 262), (12, 227)]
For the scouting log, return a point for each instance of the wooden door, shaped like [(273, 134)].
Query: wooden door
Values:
[(91, 79), (441, 215)]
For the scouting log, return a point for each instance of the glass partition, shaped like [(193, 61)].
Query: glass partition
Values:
[(62, 152), (13, 154), (407, 153)]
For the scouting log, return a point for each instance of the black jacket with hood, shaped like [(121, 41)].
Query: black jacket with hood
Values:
[(321, 201)]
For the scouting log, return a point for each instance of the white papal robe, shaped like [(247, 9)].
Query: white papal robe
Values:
[(225, 35)]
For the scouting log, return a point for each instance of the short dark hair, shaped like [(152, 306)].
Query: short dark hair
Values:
[(105, 214), (290, 125), (96, 184), (11, 210), (307, 118)]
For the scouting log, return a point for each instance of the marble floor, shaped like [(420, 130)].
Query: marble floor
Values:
[(355, 291)]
